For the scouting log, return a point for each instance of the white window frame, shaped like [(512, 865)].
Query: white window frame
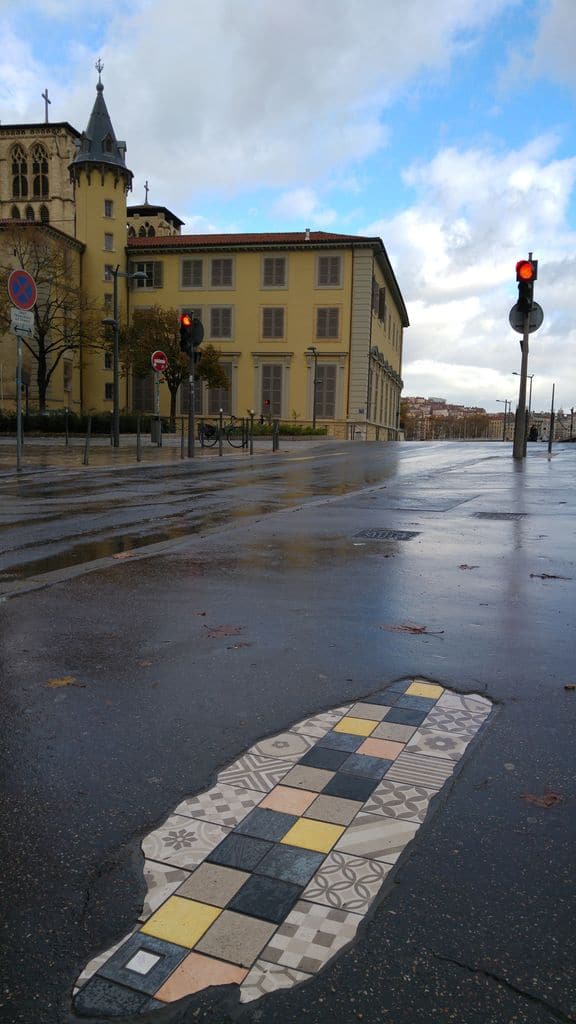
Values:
[(274, 286), (327, 335), (329, 275), (219, 259), (109, 206), (154, 276), (220, 336), (191, 260), (270, 333), (108, 241)]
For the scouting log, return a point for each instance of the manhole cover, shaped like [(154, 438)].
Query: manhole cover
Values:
[(500, 515), (375, 534)]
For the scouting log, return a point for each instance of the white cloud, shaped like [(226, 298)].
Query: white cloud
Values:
[(304, 206)]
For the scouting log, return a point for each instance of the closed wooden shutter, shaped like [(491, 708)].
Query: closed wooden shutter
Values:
[(327, 322), (273, 322), (326, 390), (158, 274), (191, 273), (221, 273), (143, 393), (272, 388), (221, 322), (274, 271), (329, 271)]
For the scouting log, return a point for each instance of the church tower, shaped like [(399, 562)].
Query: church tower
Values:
[(101, 182)]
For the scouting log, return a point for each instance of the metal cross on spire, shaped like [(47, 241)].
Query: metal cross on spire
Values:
[(46, 102), (146, 190), (99, 68)]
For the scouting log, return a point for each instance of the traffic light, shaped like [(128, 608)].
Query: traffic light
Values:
[(185, 333), (526, 274)]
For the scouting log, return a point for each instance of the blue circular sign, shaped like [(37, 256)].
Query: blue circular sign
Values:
[(22, 289)]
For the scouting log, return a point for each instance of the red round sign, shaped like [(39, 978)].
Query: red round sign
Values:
[(22, 289), (159, 361)]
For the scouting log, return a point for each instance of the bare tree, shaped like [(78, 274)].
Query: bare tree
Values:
[(65, 319)]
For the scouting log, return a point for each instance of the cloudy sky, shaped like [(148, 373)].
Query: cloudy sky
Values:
[(447, 127)]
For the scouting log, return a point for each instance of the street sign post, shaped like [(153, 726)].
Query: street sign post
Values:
[(516, 318), (159, 361), (22, 289), (22, 321)]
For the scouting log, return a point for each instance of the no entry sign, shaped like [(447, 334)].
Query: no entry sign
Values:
[(159, 361), (22, 289)]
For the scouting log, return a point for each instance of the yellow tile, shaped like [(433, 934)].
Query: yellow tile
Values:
[(181, 921), (357, 726), (424, 690), (313, 835)]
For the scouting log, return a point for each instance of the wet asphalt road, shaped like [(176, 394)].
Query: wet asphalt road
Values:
[(477, 921)]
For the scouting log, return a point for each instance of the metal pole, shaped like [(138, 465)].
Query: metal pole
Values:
[(182, 438), (191, 451), (157, 402), (252, 432), (138, 452), (18, 402), (518, 451), (571, 420), (66, 428), (314, 396), (551, 431), (220, 432), (87, 442), (116, 362)]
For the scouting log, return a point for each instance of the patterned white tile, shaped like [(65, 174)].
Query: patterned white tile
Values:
[(433, 743), (183, 842), (378, 837), (310, 936), (162, 880), (346, 882), (255, 772), (265, 977), (223, 805), (399, 800), (289, 746)]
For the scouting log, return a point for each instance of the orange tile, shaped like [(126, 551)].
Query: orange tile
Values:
[(289, 800), (197, 972), (381, 748)]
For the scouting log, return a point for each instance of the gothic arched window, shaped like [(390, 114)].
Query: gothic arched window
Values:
[(19, 173), (151, 232), (131, 233), (39, 171), (142, 232), (44, 215), (107, 144), (15, 213), (30, 213)]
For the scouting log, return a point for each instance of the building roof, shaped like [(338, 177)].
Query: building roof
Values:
[(45, 126), (151, 210), (99, 144), (277, 240)]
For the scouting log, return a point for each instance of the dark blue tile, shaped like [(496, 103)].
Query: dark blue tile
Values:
[(341, 741), (405, 716), (351, 787), (418, 703), (290, 864), (267, 898), (263, 823), (242, 852), (386, 697), (170, 955), (324, 757), (366, 767), (102, 997)]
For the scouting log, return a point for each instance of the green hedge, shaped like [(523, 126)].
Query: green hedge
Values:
[(54, 422)]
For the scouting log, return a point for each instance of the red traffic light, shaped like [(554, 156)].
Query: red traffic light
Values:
[(185, 320), (526, 270)]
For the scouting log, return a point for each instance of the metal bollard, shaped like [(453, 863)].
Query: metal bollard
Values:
[(111, 429), (138, 450), (220, 432), (251, 432), (182, 440), (85, 459), (66, 428)]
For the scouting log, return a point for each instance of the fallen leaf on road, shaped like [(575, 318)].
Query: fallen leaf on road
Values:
[(223, 630), (144, 664), (123, 554), (468, 567), (55, 684), (408, 628), (545, 800), (570, 686), (548, 576)]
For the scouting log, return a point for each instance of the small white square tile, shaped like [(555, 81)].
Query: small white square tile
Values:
[(142, 962)]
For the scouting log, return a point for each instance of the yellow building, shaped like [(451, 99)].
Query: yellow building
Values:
[(309, 325)]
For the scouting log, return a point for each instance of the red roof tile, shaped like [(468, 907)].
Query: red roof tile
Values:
[(266, 238)]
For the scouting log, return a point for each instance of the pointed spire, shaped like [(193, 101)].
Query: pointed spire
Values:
[(99, 144)]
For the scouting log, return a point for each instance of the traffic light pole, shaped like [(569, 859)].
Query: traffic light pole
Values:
[(519, 449), (191, 451)]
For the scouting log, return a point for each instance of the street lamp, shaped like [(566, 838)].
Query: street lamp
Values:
[(314, 352), (114, 322), (507, 402)]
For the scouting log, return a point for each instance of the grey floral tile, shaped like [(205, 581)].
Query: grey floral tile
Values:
[(223, 805), (456, 721), (290, 746), (418, 769), (162, 880), (472, 702), (255, 772), (375, 836), (310, 936), (265, 978), (347, 882), (434, 743), (399, 800), (183, 842)]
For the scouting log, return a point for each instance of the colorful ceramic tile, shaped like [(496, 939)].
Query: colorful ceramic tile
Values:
[(181, 921), (313, 835), (263, 823), (381, 748), (346, 882), (356, 726), (236, 938), (162, 880), (93, 965), (365, 766), (374, 836), (183, 842), (290, 746), (433, 743), (465, 702), (310, 936), (265, 978), (393, 731), (333, 809), (308, 778), (420, 688), (319, 724), (457, 722), (341, 741), (375, 712), (214, 884), (290, 863), (405, 716), (350, 787), (255, 772), (291, 801), (101, 997), (417, 703), (143, 962), (324, 757), (242, 852), (398, 800), (223, 805), (268, 898), (198, 972), (430, 772)]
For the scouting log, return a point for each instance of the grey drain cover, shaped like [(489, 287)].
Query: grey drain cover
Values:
[(500, 515), (374, 534)]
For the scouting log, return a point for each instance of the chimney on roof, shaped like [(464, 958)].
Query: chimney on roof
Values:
[(307, 234)]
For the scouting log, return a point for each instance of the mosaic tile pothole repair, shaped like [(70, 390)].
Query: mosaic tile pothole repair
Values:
[(265, 877)]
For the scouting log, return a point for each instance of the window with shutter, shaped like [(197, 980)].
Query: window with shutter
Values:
[(154, 271), (143, 393), (273, 322), (326, 390), (221, 322), (221, 273), (272, 388), (192, 273), (328, 322), (221, 398), (274, 272), (382, 305), (329, 274)]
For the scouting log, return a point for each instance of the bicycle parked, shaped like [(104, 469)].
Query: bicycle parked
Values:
[(233, 432)]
